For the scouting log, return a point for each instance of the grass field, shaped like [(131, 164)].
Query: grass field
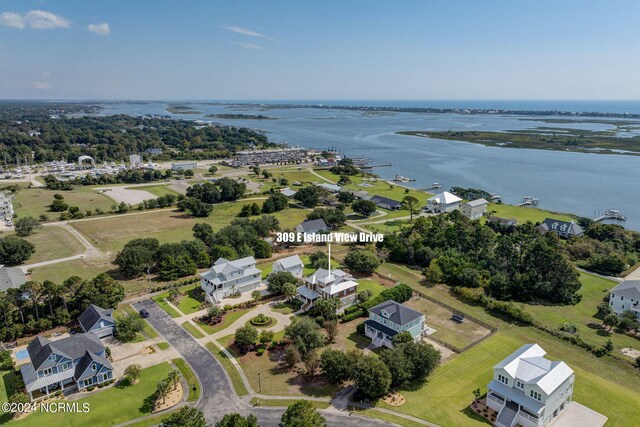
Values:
[(107, 407), (111, 234), (52, 243), (395, 419), (233, 373), (582, 314), (165, 306), (256, 401), (374, 287), (227, 320), (35, 201), (163, 345), (158, 190), (192, 330), (189, 377), (523, 214)]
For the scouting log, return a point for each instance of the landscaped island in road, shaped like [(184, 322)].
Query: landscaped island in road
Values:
[(543, 138)]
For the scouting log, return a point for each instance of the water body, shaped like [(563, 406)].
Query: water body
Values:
[(581, 183)]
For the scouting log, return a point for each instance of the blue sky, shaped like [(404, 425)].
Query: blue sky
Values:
[(320, 49)]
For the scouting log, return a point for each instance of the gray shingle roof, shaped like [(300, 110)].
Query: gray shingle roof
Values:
[(385, 200), (92, 314), (11, 277), (397, 313), (72, 347), (628, 288), (561, 227), (82, 368), (313, 226)]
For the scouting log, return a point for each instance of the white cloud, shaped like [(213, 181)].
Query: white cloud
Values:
[(38, 84), (102, 29), (246, 32), (35, 19), (11, 19), (249, 45)]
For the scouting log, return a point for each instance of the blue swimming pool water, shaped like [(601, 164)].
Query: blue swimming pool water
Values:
[(22, 354)]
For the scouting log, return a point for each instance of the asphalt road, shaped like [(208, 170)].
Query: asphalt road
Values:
[(218, 397)]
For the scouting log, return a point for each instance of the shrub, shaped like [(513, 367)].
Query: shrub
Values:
[(568, 327), (91, 388), (354, 315), (320, 321), (260, 351)]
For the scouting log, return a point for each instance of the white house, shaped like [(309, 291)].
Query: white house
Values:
[(626, 296), (292, 264), (474, 209), (443, 202), (528, 389), (183, 166), (227, 278), (326, 284)]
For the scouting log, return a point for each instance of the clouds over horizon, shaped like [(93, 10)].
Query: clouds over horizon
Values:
[(34, 19), (247, 32), (102, 29)]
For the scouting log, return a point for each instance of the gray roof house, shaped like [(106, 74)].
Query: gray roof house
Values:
[(385, 202), (226, 278), (11, 277), (324, 284), (474, 209), (312, 226), (564, 229), (529, 389), (76, 361), (292, 264), (98, 320), (507, 222), (626, 296), (388, 319)]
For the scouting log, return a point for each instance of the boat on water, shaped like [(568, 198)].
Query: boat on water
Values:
[(614, 214), (400, 178)]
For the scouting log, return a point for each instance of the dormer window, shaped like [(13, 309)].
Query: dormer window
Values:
[(93, 367), (52, 357)]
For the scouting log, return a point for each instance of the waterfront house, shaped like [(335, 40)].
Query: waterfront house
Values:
[(226, 278), (312, 226), (292, 264), (327, 283), (359, 194), (507, 222), (98, 320), (474, 209), (78, 361), (388, 319), (331, 188), (386, 203), (443, 202), (626, 296), (11, 277), (528, 389), (563, 229)]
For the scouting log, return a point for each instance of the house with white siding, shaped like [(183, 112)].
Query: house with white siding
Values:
[(529, 389), (474, 209), (226, 278), (443, 202), (626, 296), (292, 264)]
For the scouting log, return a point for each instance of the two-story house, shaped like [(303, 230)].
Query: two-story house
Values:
[(388, 319), (98, 320), (226, 278), (76, 361), (292, 264), (528, 389), (474, 209), (443, 202), (326, 284), (626, 296)]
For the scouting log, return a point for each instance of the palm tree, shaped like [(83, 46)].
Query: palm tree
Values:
[(174, 377), (163, 389), (477, 394)]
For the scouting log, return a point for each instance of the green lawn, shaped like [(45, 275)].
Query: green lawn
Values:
[(233, 373), (285, 402), (370, 285), (7, 385), (158, 190), (52, 243), (151, 421), (160, 300), (266, 269), (189, 377), (187, 303), (523, 214), (227, 320), (192, 329), (35, 201), (107, 407), (163, 345), (594, 288), (395, 419)]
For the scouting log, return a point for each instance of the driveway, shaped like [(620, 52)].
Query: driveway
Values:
[(218, 397)]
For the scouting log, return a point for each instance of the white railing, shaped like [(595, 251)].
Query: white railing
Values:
[(528, 417), (496, 399)]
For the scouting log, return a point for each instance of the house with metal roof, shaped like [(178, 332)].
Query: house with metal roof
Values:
[(529, 389), (288, 192), (563, 229), (506, 222), (443, 202), (292, 264), (226, 278), (332, 188), (98, 320), (474, 209), (388, 319), (325, 283), (386, 203), (312, 226), (78, 361), (626, 296), (11, 277)]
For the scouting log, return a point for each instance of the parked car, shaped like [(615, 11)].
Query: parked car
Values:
[(144, 313)]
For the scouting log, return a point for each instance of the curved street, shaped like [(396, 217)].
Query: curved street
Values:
[(218, 397)]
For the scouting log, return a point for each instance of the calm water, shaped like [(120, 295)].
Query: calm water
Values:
[(585, 184)]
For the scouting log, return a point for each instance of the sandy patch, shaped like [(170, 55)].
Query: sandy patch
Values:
[(127, 195), (180, 186), (173, 398), (445, 352), (631, 352)]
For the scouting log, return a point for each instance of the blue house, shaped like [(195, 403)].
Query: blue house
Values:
[(78, 361), (388, 319), (98, 320)]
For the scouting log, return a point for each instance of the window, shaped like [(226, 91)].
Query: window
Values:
[(93, 367), (47, 372), (520, 385), (535, 395), (503, 379), (52, 357), (64, 366)]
